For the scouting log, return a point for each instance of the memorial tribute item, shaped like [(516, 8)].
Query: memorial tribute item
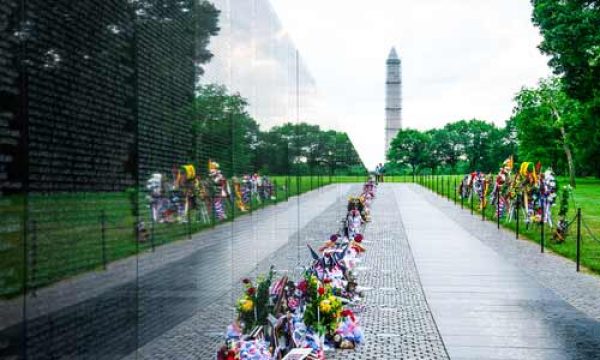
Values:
[(278, 318)]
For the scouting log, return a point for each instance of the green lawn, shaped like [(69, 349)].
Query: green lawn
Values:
[(586, 196), (66, 235)]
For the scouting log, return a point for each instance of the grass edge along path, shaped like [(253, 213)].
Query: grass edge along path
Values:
[(585, 196), (69, 234)]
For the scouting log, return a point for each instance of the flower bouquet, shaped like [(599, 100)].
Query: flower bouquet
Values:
[(254, 306)]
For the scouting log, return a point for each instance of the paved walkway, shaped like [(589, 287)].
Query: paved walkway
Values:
[(397, 321), (440, 284), (109, 314), (487, 305)]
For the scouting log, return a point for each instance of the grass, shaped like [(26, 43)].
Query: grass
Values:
[(67, 236), (586, 196), (65, 232)]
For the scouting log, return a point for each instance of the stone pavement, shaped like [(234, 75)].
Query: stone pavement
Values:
[(439, 284), (581, 290), (489, 302), (396, 320), (109, 314)]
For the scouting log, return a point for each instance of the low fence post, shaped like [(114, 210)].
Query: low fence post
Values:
[(33, 256), (455, 190), (472, 201), (442, 192), (482, 204), (189, 219), (517, 216), (578, 239), (152, 233), (103, 237), (498, 206), (542, 218)]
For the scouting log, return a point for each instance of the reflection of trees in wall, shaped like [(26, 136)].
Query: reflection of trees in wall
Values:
[(94, 76)]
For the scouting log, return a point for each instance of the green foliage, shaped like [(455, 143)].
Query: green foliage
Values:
[(544, 117), (410, 147), (473, 144), (563, 208), (263, 304), (224, 131), (571, 32), (571, 37)]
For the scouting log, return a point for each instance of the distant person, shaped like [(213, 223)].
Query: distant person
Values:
[(377, 173), (381, 172)]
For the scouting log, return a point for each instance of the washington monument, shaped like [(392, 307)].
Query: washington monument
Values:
[(393, 98)]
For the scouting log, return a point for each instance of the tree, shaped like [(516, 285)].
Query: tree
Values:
[(222, 130), (571, 36), (410, 147), (452, 150), (480, 143), (544, 117)]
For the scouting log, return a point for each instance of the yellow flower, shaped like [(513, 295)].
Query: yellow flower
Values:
[(325, 306), (246, 305)]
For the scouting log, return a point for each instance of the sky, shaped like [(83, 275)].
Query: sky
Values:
[(461, 59)]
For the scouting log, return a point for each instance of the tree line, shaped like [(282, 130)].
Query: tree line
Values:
[(556, 122), (223, 131)]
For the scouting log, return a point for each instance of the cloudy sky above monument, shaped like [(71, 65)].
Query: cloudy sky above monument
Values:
[(461, 59)]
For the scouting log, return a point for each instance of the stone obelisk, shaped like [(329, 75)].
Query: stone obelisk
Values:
[(393, 98)]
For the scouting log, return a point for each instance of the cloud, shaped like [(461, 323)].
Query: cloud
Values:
[(460, 59)]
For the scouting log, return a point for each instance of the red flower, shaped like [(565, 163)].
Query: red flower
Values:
[(358, 238), (321, 290), (302, 286), (251, 291), (348, 313), (327, 280)]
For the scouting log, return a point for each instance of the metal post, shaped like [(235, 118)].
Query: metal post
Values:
[(517, 215), (214, 211), (472, 201), (189, 219), (455, 190), (103, 237), (498, 206), (33, 259), (482, 203), (287, 188), (152, 233), (578, 238), (542, 227)]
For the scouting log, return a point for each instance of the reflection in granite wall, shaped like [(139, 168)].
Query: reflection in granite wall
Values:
[(256, 57), (93, 98), (80, 95)]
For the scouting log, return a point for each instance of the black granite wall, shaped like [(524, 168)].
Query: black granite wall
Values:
[(94, 96)]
